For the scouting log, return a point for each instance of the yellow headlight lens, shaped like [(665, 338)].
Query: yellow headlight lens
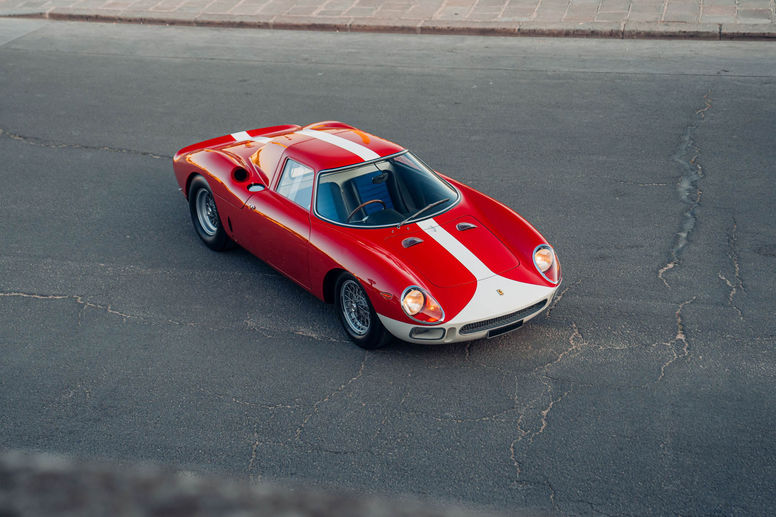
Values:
[(413, 302), (544, 259)]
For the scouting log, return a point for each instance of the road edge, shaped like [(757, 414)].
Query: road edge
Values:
[(610, 30)]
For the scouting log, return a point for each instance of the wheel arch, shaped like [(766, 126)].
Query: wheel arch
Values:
[(214, 236), (189, 179), (330, 284)]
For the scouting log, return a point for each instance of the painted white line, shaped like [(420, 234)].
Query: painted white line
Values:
[(456, 249), (359, 150)]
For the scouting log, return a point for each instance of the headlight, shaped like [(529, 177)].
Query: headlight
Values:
[(421, 306), (545, 261), (544, 257), (412, 302)]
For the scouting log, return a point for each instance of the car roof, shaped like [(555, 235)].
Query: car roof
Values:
[(334, 145)]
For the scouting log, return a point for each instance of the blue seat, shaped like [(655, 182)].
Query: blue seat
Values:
[(330, 204), (367, 190)]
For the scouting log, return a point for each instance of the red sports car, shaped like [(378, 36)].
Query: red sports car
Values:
[(362, 223)]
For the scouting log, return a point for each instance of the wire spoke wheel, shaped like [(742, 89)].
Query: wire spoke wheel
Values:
[(206, 212), (355, 308), (204, 215)]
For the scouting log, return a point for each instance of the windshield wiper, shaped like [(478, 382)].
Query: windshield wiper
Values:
[(430, 205)]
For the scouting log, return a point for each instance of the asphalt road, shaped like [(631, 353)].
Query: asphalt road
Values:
[(648, 388)]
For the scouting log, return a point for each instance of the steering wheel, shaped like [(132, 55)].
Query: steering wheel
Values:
[(362, 205)]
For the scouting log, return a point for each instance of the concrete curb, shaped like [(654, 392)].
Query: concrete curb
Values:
[(652, 30), (762, 31), (612, 30)]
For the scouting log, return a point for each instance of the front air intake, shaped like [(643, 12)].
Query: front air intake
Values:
[(501, 321)]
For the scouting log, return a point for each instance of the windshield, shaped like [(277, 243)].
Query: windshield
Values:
[(393, 191)]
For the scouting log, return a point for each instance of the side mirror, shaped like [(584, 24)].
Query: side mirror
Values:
[(256, 187)]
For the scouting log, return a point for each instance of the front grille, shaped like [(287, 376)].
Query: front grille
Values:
[(479, 326), (504, 330)]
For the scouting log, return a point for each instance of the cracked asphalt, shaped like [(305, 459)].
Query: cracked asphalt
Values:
[(647, 388)]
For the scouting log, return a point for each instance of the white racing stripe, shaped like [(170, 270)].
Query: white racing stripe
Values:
[(359, 150), (495, 295), (470, 261), (243, 135)]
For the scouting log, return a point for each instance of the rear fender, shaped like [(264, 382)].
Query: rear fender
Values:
[(228, 139), (228, 178), (212, 157)]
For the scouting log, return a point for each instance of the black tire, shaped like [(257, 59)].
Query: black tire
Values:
[(204, 216), (357, 315)]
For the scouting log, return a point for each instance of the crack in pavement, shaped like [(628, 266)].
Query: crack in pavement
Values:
[(680, 337), (594, 508), (739, 282), (239, 402), (576, 343), (106, 308), (254, 448), (298, 432), (640, 184), (558, 298), (552, 495), (513, 454), (486, 418), (316, 336), (525, 433), (546, 411), (42, 142), (78, 299), (37, 296), (85, 304), (688, 188)]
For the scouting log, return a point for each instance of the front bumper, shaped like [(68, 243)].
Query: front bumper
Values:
[(458, 330)]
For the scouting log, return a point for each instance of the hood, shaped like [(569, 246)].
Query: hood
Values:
[(451, 254)]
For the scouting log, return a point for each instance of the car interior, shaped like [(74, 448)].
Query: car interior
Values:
[(377, 194)]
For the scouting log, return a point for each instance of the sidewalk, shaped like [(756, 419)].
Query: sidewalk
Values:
[(704, 19)]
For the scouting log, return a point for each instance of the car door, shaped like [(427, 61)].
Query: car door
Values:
[(277, 224)]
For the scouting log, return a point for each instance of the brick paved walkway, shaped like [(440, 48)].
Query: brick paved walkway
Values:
[(709, 19)]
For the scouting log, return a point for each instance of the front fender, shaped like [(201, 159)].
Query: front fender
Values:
[(382, 275), (517, 234)]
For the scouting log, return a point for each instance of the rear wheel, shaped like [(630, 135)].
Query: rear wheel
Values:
[(204, 216), (357, 315)]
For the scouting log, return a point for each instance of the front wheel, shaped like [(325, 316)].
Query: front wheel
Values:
[(204, 215), (357, 315)]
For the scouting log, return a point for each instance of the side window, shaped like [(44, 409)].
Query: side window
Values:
[(296, 183)]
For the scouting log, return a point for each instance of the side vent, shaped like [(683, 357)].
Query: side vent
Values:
[(240, 174), (411, 241), (462, 227)]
